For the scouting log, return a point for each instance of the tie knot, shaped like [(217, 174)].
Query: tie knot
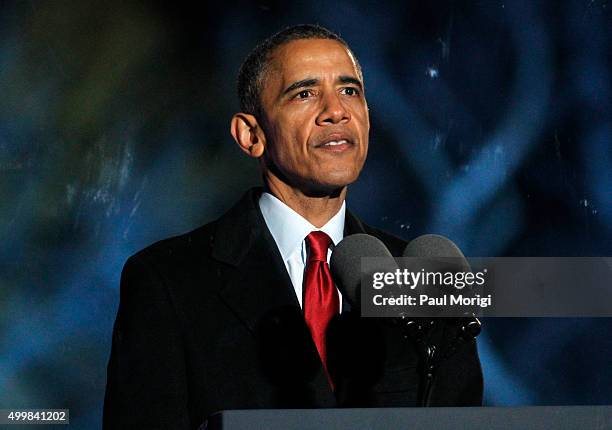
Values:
[(319, 244)]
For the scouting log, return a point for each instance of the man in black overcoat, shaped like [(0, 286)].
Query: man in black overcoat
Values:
[(214, 319)]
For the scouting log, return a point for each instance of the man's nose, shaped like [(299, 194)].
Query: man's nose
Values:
[(333, 111)]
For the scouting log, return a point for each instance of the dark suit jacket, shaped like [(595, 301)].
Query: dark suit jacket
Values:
[(209, 321)]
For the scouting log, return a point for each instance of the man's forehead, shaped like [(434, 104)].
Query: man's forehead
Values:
[(298, 58)]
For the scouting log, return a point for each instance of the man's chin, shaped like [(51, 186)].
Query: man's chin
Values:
[(332, 185), (324, 191), (327, 188)]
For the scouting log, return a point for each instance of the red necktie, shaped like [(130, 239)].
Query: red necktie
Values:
[(321, 301)]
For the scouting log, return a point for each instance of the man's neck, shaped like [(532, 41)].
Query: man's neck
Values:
[(317, 210)]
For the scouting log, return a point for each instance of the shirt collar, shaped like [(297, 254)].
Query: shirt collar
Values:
[(288, 228)]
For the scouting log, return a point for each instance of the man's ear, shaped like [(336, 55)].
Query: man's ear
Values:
[(248, 134)]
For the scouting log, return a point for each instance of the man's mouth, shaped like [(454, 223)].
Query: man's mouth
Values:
[(336, 142), (336, 146)]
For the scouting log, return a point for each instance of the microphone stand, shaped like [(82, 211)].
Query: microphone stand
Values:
[(428, 335)]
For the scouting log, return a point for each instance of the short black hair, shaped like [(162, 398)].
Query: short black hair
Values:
[(253, 70)]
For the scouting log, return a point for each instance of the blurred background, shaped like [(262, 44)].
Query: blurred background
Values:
[(491, 124)]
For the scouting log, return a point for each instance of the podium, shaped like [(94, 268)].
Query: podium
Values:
[(472, 418)]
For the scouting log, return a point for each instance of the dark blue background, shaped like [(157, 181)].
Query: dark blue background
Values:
[(491, 123)]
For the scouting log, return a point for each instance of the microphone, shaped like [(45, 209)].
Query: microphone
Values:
[(462, 329), (345, 264), (431, 246), (435, 246)]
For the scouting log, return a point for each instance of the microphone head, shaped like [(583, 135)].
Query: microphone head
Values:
[(435, 246), (439, 253), (345, 263)]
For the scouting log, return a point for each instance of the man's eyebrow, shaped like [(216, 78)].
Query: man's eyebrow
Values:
[(350, 80), (308, 82)]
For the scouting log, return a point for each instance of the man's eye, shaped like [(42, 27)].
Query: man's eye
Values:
[(350, 91), (303, 94)]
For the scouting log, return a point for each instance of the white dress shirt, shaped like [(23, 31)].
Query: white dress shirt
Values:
[(289, 230)]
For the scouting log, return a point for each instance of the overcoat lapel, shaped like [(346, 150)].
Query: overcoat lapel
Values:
[(257, 282)]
